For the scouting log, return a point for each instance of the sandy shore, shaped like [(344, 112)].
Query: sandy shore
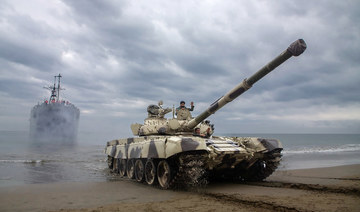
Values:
[(321, 189)]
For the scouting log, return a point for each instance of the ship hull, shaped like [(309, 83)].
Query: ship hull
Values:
[(54, 122)]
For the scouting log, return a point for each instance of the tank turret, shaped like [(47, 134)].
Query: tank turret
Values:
[(185, 123)]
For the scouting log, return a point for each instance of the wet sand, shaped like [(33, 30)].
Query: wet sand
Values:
[(321, 189)]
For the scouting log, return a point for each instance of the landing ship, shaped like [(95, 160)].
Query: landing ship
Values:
[(54, 119)]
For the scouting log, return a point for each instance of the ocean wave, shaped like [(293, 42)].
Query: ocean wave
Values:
[(328, 149), (22, 161)]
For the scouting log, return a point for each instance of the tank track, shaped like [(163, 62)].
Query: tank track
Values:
[(263, 168), (190, 172)]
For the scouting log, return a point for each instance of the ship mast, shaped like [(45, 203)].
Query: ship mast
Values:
[(58, 88), (55, 90)]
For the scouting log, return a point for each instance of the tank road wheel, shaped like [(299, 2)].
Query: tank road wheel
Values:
[(116, 165), (130, 168), (110, 161), (139, 170), (164, 174), (150, 172), (122, 167)]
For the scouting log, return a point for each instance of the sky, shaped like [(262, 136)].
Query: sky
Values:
[(117, 57)]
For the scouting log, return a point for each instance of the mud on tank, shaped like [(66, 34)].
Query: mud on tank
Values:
[(168, 153)]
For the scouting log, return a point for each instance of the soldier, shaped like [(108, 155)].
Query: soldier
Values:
[(182, 107), (197, 133)]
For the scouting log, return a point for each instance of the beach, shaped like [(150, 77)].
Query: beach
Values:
[(317, 173), (317, 189)]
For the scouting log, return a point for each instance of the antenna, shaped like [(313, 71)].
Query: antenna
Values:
[(58, 87), (173, 110)]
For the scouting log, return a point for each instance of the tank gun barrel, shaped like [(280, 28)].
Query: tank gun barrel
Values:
[(295, 49)]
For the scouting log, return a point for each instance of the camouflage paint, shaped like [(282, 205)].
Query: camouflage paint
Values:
[(188, 144), (153, 152), (270, 144)]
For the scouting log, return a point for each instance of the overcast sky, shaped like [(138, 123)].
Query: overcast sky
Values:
[(117, 57)]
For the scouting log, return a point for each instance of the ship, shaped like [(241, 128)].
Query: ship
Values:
[(54, 119)]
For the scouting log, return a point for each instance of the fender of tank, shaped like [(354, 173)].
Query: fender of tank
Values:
[(168, 153)]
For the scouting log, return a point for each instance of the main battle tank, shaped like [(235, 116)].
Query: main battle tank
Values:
[(168, 152)]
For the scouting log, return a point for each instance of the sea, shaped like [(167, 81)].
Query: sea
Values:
[(29, 162)]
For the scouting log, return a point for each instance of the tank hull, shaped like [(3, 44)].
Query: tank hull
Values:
[(194, 160), (55, 121)]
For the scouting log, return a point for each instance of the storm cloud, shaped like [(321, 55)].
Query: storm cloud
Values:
[(116, 57)]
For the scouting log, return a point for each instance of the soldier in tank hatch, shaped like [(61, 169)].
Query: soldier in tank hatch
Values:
[(198, 133), (183, 107)]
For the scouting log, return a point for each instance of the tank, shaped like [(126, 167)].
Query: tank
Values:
[(171, 153)]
